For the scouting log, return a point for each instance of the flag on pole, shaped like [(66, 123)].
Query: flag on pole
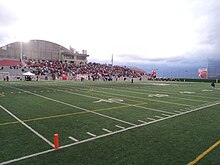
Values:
[(112, 60)]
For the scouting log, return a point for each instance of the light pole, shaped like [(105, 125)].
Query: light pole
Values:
[(21, 50)]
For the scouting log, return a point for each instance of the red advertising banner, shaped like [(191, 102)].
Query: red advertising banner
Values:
[(154, 73), (203, 73)]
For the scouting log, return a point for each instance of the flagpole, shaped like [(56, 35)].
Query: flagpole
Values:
[(112, 60)]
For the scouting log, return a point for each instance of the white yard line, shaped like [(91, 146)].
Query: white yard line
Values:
[(180, 98), (162, 91), (167, 102), (106, 130), (61, 102), (108, 134), (27, 126), (74, 139), (152, 109), (118, 102)]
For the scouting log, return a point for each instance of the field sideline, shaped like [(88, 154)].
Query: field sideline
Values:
[(145, 122)]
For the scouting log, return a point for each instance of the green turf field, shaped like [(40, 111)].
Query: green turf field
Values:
[(145, 122)]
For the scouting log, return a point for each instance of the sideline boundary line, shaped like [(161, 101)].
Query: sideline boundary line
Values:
[(105, 135), (204, 153), (27, 126)]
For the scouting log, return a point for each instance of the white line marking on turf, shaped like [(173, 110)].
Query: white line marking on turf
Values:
[(159, 117), (181, 110), (120, 126), (57, 101), (91, 134), (70, 137), (119, 102), (150, 118), (177, 111), (106, 130), (165, 115), (27, 126), (142, 121), (167, 102), (105, 135)]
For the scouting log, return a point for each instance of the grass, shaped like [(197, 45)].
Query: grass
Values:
[(164, 122)]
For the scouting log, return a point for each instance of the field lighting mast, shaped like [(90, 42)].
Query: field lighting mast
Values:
[(21, 50)]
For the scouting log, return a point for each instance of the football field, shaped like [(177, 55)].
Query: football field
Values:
[(108, 123)]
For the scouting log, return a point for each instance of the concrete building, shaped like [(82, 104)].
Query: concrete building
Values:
[(41, 50)]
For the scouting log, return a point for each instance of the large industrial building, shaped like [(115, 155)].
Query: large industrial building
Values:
[(41, 50)]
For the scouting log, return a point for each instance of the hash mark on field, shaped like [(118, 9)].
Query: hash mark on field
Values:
[(91, 134), (70, 137), (150, 118), (142, 121), (181, 110), (106, 130), (159, 117), (165, 115), (120, 126)]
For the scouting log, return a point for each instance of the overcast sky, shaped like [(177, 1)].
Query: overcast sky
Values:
[(134, 31)]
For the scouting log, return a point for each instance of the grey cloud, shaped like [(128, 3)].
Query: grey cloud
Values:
[(210, 32), (141, 59), (7, 18)]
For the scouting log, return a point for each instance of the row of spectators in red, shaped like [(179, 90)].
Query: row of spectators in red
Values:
[(95, 70)]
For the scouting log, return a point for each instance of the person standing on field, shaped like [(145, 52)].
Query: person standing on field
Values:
[(213, 85)]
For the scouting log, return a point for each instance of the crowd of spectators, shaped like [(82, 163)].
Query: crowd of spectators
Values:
[(57, 69)]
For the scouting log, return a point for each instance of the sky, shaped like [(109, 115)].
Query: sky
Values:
[(135, 32)]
